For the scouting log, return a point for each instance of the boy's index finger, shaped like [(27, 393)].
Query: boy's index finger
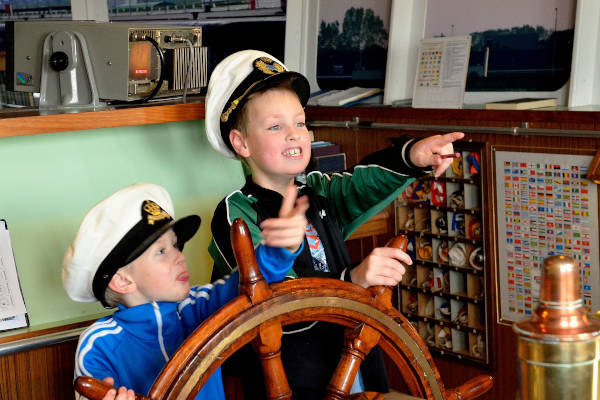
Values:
[(287, 205), (301, 205)]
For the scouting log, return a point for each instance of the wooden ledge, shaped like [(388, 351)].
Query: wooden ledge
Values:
[(377, 225), (24, 123), (47, 329)]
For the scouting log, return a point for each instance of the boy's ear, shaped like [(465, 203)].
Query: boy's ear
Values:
[(238, 142), (122, 283)]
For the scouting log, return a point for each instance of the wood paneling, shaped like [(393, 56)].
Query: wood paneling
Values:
[(43, 373)]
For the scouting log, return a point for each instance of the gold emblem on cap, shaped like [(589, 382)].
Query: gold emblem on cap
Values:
[(268, 66), (155, 213)]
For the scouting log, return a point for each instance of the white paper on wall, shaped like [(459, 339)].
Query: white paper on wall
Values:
[(13, 313)]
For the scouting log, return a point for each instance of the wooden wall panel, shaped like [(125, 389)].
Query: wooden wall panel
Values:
[(43, 373)]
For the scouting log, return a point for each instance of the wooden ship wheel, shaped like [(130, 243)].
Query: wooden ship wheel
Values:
[(257, 317)]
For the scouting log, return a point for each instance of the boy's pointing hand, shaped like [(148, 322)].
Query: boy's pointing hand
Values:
[(427, 152), (289, 228)]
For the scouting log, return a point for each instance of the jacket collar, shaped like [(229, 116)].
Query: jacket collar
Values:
[(264, 194), (253, 189)]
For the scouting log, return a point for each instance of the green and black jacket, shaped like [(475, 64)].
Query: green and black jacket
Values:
[(339, 204)]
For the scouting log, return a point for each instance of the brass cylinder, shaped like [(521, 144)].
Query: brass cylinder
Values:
[(559, 346)]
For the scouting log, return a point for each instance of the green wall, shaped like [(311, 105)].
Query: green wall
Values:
[(48, 182)]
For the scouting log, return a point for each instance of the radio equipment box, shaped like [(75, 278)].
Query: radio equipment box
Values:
[(124, 59)]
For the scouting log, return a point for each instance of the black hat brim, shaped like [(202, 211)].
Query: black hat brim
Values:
[(184, 229), (300, 84)]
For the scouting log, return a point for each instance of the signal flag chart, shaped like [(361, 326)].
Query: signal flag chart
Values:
[(545, 207)]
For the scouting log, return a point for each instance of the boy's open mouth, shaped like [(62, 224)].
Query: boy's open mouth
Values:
[(293, 152), (183, 277)]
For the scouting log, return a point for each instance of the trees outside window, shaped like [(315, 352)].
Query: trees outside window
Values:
[(353, 52)]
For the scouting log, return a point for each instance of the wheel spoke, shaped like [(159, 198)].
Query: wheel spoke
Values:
[(358, 342), (268, 347)]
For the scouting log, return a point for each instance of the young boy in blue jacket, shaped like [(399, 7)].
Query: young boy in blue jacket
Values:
[(127, 254), (255, 112)]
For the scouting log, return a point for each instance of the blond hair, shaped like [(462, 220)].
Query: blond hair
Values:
[(112, 298)]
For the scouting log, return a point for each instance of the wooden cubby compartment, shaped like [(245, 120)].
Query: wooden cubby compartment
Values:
[(445, 288)]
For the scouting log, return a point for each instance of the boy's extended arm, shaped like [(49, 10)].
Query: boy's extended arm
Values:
[(361, 192), (383, 266), (365, 189), (416, 157), (204, 300)]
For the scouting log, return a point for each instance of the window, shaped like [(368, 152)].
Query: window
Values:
[(35, 9), (516, 45), (352, 44), (193, 9)]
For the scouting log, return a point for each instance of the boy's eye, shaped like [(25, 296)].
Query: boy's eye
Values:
[(301, 124), (274, 128)]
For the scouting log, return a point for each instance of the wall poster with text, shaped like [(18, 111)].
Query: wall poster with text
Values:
[(545, 207)]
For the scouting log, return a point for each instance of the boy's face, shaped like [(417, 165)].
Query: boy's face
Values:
[(160, 273), (276, 144)]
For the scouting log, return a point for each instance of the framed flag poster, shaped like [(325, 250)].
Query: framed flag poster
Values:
[(544, 206)]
